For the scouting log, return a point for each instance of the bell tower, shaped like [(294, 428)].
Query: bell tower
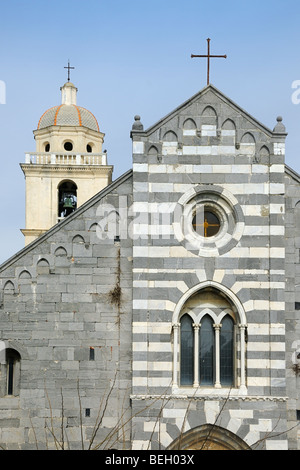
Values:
[(68, 166)]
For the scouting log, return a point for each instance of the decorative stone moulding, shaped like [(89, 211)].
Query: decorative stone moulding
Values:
[(226, 209)]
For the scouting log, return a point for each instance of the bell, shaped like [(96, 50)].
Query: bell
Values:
[(68, 203)]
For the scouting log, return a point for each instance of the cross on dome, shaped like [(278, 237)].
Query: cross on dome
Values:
[(69, 68)]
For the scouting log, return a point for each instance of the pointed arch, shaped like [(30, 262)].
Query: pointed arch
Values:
[(170, 136), (93, 227), (9, 287), (189, 124), (209, 116), (42, 263), (209, 312), (219, 287), (153, 151), (264, 152), (209, 111), (248, 138), (25, 274), (208, 437), (43, 266), (60, 251), (228, 125), (78, 239), (188, 311)]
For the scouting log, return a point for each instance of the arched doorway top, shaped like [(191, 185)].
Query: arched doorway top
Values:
[(208, 437)]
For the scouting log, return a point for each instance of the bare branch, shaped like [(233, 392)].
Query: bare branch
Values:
[(80, 416), (97, 426)]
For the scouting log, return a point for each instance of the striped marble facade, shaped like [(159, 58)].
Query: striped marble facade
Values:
[(209, 148)]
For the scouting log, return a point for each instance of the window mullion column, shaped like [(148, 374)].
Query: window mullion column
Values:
[(176, 327), (242, 361), (217, 328), (196, 354)]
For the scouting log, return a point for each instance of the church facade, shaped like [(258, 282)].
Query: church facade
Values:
[(163, 312)]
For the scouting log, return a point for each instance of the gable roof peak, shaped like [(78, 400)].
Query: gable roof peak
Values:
[(196, 97)]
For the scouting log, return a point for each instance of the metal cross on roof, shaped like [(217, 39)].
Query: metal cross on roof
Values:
[(69, 68), (209, 56)]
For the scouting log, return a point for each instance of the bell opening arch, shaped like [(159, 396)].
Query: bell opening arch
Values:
[(67, 198)]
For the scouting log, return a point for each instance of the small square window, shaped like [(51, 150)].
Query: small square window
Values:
[(297, 305), (88, 412)]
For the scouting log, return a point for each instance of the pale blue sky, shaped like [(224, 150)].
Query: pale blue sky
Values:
[(133, 57)]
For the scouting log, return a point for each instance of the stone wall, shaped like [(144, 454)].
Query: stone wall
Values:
[(292, 258), (73, 336)]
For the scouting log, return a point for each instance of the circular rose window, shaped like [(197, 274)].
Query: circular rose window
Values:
[(208, 221)]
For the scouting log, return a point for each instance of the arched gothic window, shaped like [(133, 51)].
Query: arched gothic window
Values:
[(209, 339), (207, 352)]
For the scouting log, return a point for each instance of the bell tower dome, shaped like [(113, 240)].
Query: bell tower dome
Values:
[(68, 166)]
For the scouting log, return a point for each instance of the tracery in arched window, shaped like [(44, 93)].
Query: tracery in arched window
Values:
[(212, 353)]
